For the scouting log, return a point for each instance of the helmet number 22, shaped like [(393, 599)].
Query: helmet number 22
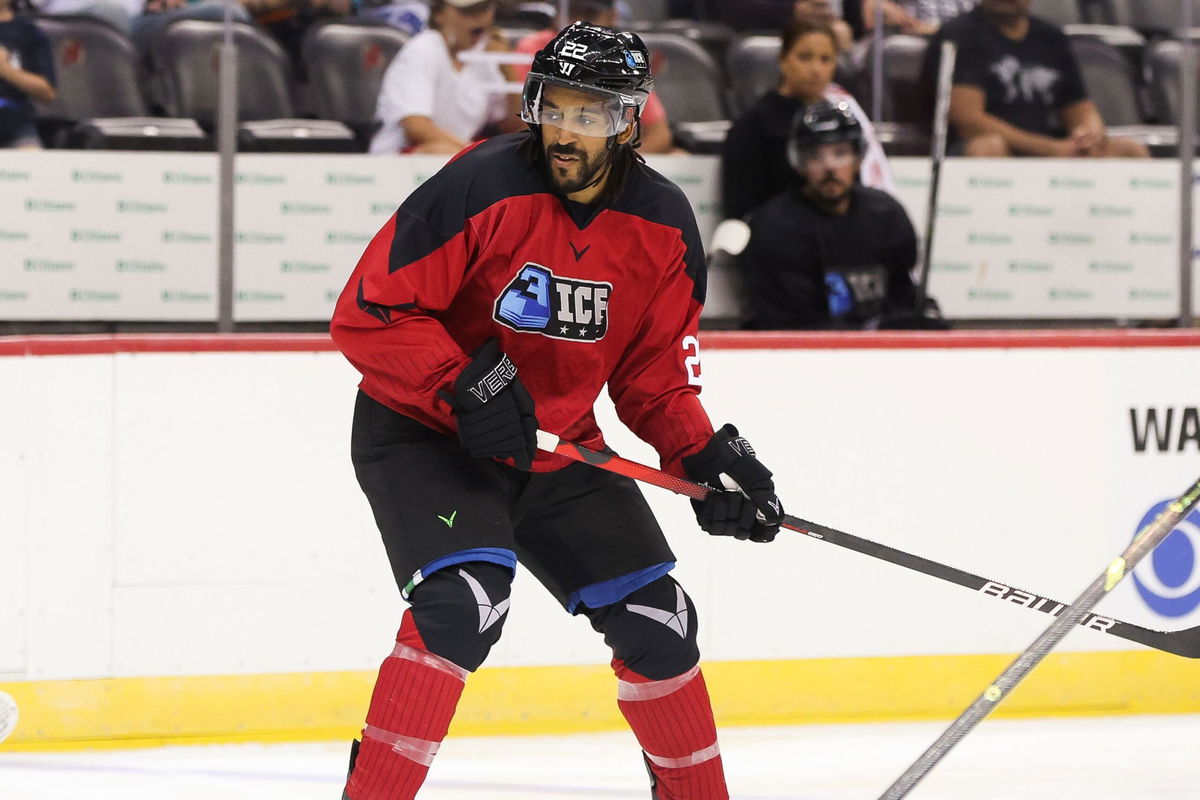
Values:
[(574, 49), (691, 345)]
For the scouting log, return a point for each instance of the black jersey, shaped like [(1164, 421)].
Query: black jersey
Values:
[(805, 268), (1027, 83)]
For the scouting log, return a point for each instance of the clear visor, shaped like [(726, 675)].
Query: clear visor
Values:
[(586, 112), (833, 155)]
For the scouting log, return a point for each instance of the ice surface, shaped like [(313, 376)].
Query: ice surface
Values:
[(1104, 758)]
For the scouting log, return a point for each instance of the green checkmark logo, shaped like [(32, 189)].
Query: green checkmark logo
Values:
[(449, 520)]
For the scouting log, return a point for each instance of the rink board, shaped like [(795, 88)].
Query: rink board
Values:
[(134, 236), (194, 559)]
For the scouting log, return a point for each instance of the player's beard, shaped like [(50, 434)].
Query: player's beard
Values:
[(579, 174), (829, 193)]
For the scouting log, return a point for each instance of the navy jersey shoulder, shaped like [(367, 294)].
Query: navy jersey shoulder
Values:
[(474, 181), (651, 196)]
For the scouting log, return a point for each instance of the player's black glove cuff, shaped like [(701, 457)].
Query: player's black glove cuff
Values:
[(751, 511), (494, 411)]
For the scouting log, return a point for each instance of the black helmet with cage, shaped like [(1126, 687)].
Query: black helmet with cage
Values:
[(823, 123), (613, 65)]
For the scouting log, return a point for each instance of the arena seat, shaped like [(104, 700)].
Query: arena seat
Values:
[(99, 104), (1058, 12), (1112, 84), (187, 55), (1151, 16), (714, 37), (1110, 79), (1164, 64), (346, 61), (752, 63), (689, 83), (907, 106)]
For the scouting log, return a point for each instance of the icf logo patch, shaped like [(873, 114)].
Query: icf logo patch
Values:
[(538, 301), (1168, 579)]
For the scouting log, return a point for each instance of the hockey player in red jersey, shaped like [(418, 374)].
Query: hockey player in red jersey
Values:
[(506, 291)]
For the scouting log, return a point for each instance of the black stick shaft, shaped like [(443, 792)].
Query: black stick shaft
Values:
[(941, 120), (1118, 568), (1184, 643)]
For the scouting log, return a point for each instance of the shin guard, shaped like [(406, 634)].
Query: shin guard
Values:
[(673, 721), (411, 708), (652, 633)]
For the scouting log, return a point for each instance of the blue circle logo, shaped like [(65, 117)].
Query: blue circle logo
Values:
[(1169, 578)]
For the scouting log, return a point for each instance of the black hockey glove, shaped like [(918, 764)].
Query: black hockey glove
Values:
[(494, 411), (751, 511)]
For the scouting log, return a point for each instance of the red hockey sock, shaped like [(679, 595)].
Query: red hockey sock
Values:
[(411, 708), (673, 721)]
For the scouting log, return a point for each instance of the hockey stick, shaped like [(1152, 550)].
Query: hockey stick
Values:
[(1145, 541), (1184, 643), (941, 119)]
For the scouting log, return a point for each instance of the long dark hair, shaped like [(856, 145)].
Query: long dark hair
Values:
[(797, 29)]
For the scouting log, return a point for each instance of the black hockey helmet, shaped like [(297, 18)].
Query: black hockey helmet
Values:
[(611, 64), (823, 123)]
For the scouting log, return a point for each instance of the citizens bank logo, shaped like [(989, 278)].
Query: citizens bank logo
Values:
[(1168, 579), (538, 301)]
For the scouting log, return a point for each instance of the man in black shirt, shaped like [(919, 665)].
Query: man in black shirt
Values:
[(829, 252), (1017, 89)]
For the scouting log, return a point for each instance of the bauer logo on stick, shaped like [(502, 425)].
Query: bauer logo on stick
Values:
[(538, 301), (1168, 580)]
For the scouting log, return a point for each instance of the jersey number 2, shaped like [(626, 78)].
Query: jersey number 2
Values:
[(691, 345)]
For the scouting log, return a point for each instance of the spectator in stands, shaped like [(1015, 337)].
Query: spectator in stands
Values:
[(829, 252), (1017, 88), (754, 166), (410, 16), (288, 22), (655, 131), (26, 74), (117, 13), (917, 17), (434, 98), (771, 15), (156, 15)]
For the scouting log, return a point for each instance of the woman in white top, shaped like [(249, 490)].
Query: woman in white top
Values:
[(433, 100)]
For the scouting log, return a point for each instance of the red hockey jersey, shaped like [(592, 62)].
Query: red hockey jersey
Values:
[(484, 248)]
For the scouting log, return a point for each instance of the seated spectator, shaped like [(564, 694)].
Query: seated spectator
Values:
[(288, 21), (1017, 89), (754, 165), (655, 131), (916, 17), (432, 101), (156, 15), (26, 74), (771, 15), (410, 16), (828, 252), (117, 13)]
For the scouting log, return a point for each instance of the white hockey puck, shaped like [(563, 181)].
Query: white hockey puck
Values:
[(8, 715)]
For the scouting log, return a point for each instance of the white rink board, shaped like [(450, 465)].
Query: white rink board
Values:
[(157, 501), (118, 236)]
